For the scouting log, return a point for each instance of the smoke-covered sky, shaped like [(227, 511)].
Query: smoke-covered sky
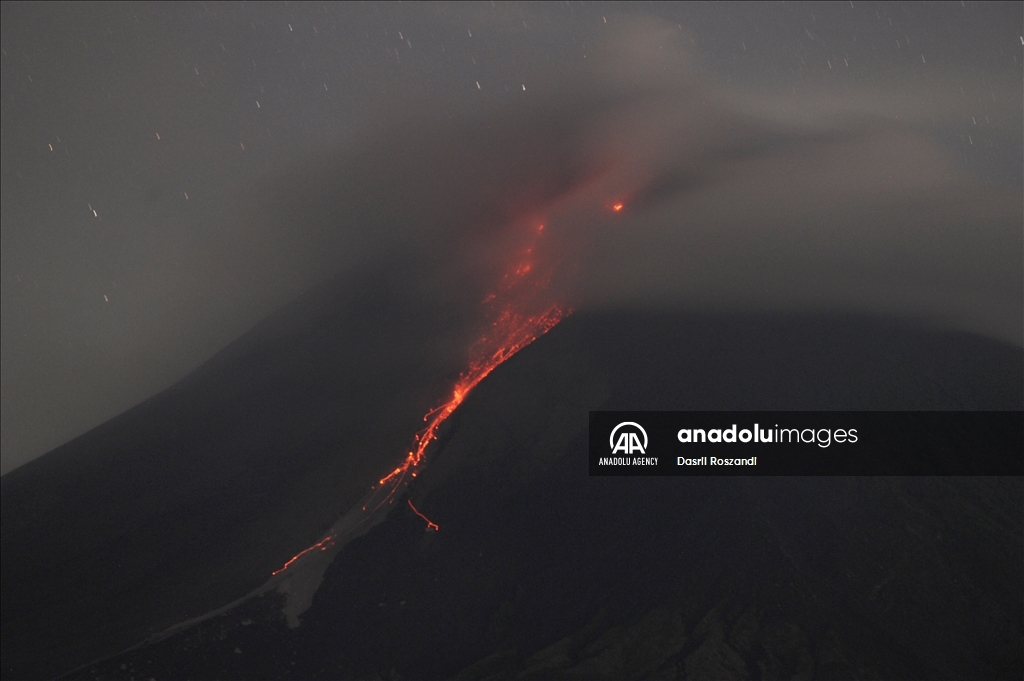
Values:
[(172, 173)]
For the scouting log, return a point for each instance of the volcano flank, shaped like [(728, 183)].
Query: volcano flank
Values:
[(192, 499)]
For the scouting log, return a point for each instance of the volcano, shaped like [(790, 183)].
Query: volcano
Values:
[(503, 558), (388, 478)]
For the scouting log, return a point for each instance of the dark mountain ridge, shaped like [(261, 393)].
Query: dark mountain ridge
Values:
[(559, 556), (192, 498)]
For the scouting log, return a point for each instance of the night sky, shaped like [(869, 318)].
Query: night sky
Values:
[(154, 154)]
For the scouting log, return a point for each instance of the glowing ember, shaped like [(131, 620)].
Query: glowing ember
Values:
[(512, 328), (617, 207)]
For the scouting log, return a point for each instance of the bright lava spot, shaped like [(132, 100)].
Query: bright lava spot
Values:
[(617, 207)]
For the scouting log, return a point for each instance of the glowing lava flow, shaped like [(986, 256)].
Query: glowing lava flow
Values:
[(512, 329), (324, 544), (516, 332), (431, 525)]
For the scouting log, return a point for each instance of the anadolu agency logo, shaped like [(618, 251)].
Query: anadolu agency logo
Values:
[(629, 438)]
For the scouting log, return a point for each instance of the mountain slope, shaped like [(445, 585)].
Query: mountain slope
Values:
[(539, 571), (191, 499)]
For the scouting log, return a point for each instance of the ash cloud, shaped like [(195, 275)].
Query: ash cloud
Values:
[(744, 188), (729, 203)]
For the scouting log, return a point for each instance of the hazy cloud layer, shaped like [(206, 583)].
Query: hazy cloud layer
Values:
[(725, 205), (174, 173)]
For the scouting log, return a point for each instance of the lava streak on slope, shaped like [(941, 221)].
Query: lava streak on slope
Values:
[(431, 525), (518, 314), (324, 544)]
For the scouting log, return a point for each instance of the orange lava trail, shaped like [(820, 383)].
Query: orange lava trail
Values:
[(519, 333), (323, 545), (511, 330), (431, 525)]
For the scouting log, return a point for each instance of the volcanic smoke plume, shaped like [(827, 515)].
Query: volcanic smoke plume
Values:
[(659, 190)]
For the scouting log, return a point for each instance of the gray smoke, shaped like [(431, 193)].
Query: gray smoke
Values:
[(748, 182), (729, 202)]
